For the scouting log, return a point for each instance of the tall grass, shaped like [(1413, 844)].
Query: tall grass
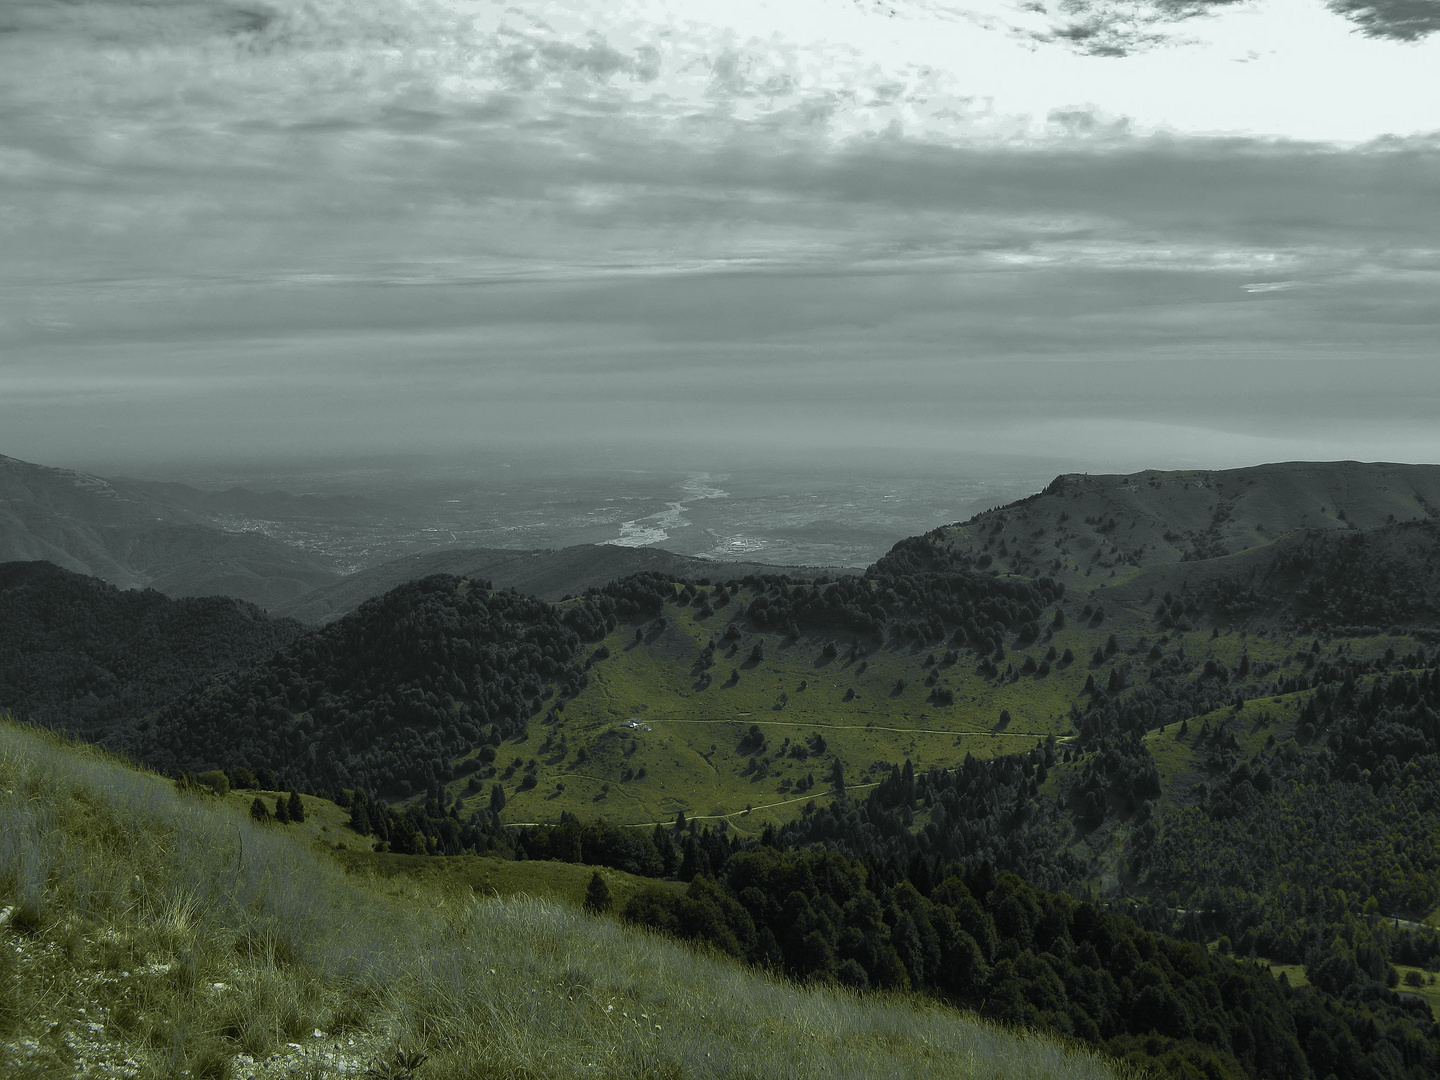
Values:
[(206, 941)]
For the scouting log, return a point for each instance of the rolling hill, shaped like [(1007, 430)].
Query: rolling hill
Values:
[(737, 701)]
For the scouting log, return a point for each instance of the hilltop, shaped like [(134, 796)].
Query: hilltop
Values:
[(739, 699), (1082, 526)]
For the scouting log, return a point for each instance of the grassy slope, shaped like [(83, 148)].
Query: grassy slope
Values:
[(689, 732), (688, 737), (155, 933)]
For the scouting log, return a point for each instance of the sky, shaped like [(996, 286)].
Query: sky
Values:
[(1132, 234)]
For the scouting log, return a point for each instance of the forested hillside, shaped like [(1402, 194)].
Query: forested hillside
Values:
[(389, 697), (79, 654)]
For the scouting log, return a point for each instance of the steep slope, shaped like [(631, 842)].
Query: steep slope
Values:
[(547, 573), (135, 534), (78, 653)]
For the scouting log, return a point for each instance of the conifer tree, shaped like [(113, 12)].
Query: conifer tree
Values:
[(669, 857), (282, 810), (597, 895), (296, 807), (258, 810), (360, 818)]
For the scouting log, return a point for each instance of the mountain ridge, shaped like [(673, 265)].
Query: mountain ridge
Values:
[(549, 573), (135, 534)]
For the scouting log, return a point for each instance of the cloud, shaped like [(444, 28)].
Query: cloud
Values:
[(1402, 20), (1120, 27), (348, 223)]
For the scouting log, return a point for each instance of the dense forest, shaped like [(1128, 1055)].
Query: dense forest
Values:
[(994, 943), (388, 697), (1308, 844), (80, 654)]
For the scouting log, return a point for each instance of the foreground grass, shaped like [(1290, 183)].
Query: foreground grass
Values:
[(150, 933)]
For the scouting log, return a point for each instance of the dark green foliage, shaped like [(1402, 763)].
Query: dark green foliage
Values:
[(1339, 582), (992, 942), (598, 844), (215, 780), (388, 696), (1294, 848), (258, 810), (282, 810), (597, 895), (295, 806), (918, 593), (79, 654)]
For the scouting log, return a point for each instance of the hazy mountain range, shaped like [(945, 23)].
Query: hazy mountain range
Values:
[(183, 541)]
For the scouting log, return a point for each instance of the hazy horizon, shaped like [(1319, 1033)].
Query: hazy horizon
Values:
[(1116, 237)]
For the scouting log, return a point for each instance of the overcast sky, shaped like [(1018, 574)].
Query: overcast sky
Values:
[(1133, 234)]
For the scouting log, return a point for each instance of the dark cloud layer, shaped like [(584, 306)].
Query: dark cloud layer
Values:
[(1120, 27), (1403, 20)]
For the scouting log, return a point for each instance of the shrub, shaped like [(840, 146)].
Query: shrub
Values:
[(216, 781)]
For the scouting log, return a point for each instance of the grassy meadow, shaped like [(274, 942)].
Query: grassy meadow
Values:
[(649, 706), (655, 733), (153, 932)]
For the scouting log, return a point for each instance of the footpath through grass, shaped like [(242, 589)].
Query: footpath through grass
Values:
[(154, 933)]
